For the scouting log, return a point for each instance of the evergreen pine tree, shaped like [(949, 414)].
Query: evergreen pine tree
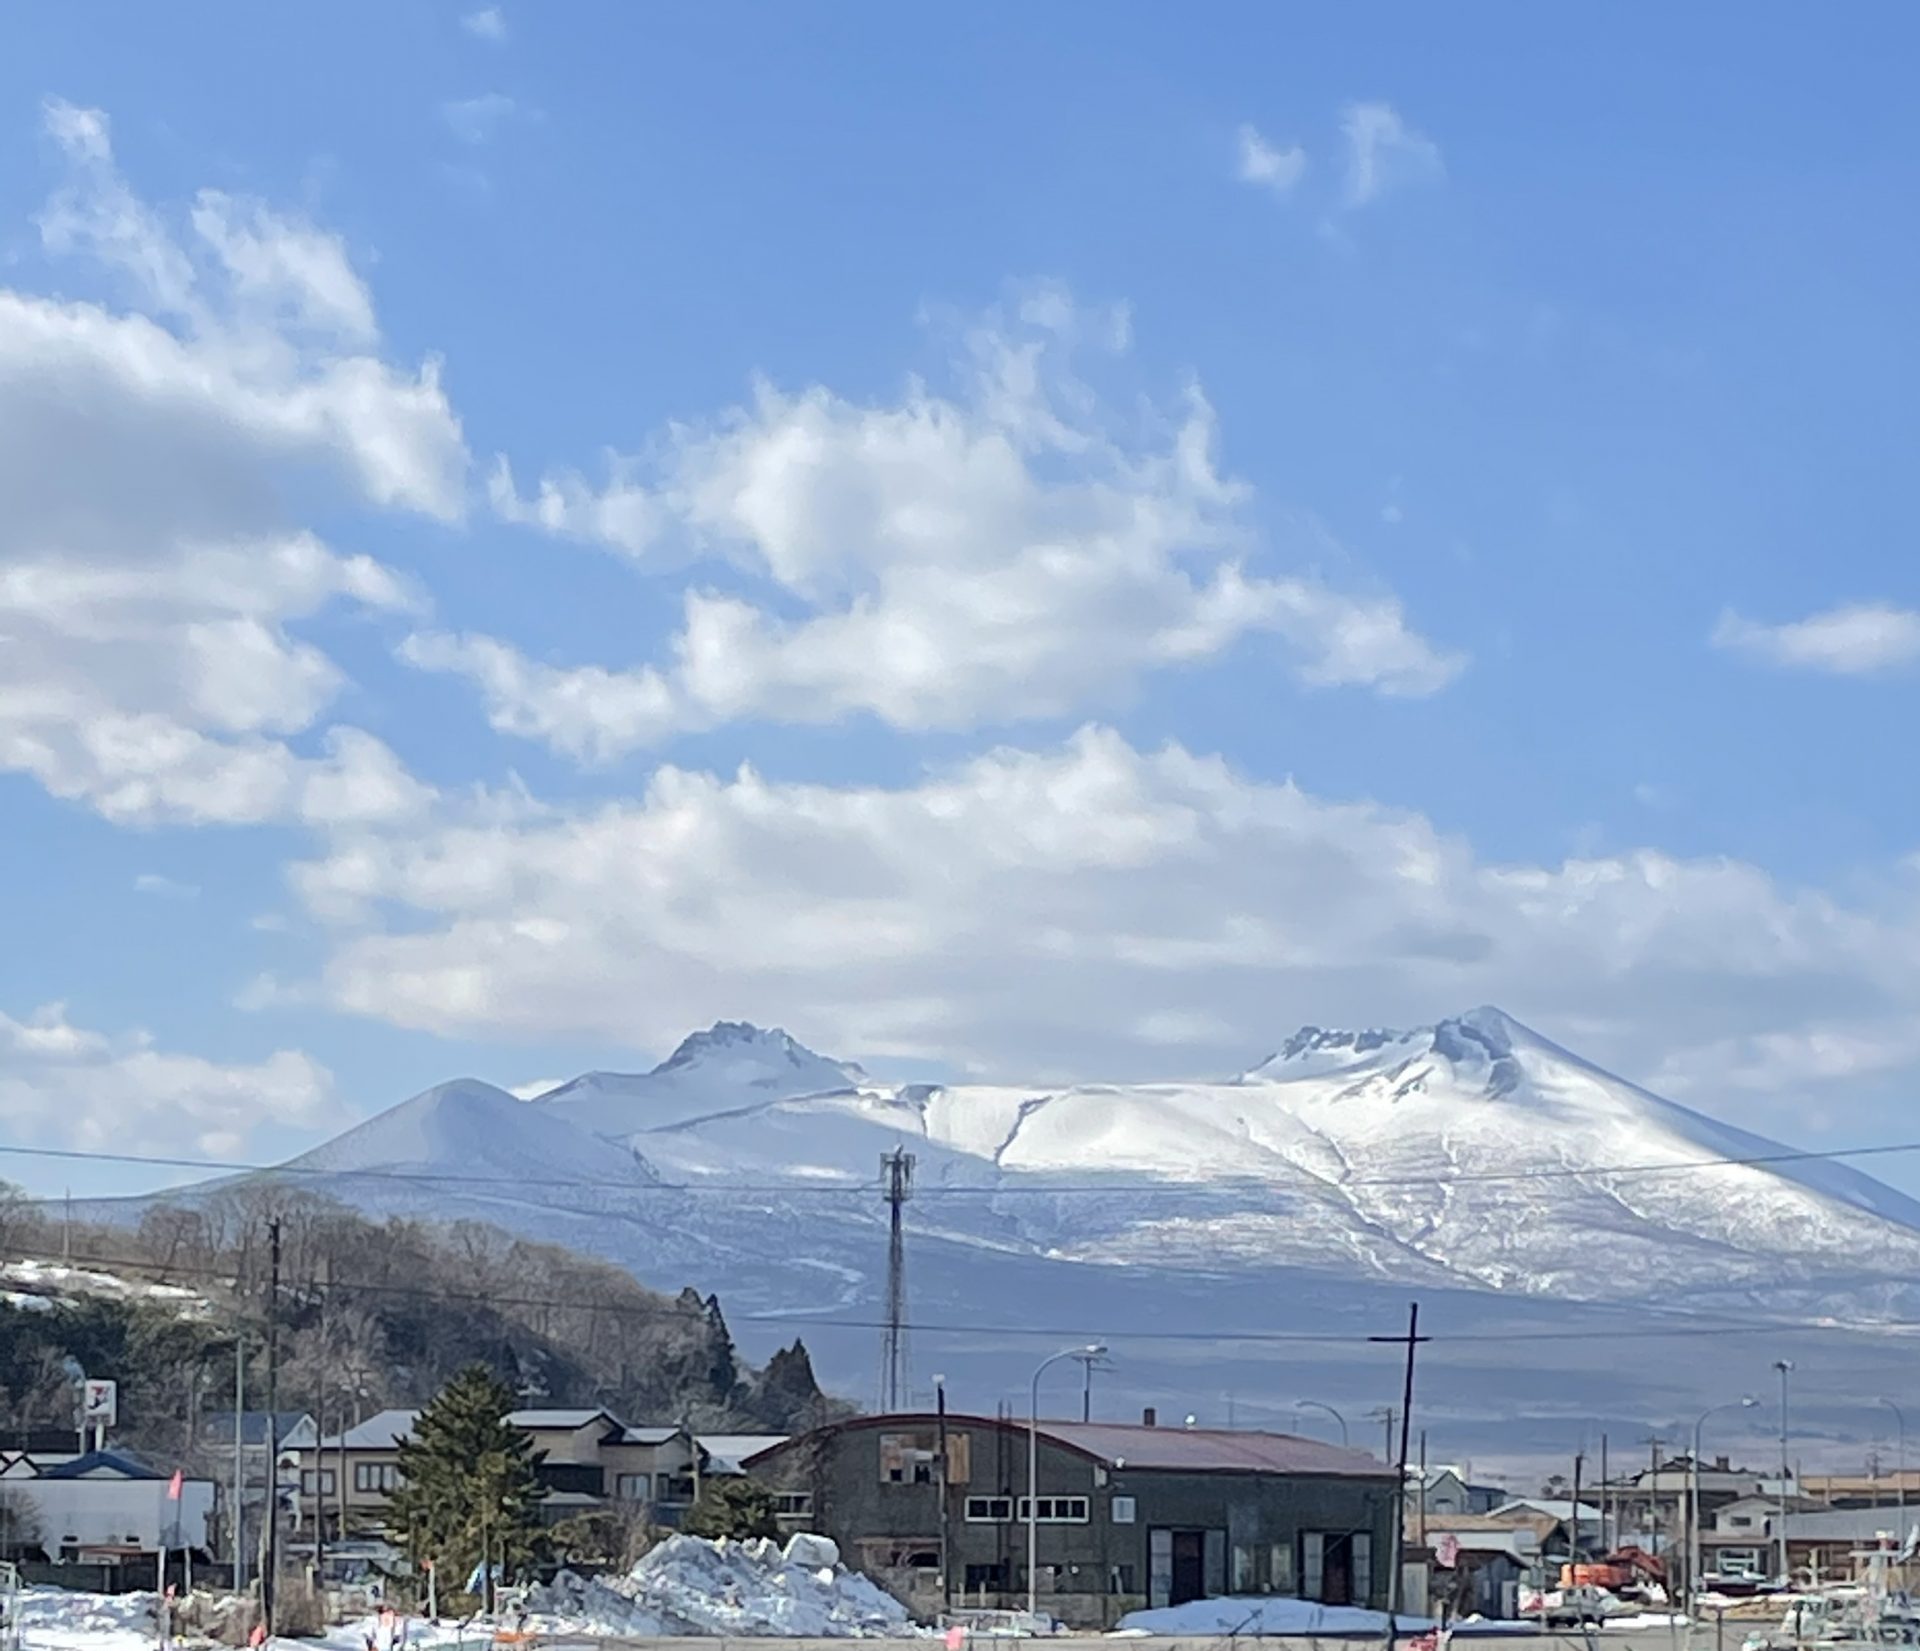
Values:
[(468, 1487), (737, 1508)]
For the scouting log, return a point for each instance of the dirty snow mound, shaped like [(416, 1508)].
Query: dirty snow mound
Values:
[(63, 1619), (688, 1585)]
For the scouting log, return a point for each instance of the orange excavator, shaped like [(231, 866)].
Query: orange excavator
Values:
[(1625, 1567)]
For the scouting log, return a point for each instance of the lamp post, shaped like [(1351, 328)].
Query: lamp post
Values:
[(1746, 1401), (1785, 1367), (1093, 1350), (1315, 1404), (1900, 1461)]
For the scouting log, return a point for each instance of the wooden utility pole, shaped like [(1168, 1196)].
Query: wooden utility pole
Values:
[(1411, 1340), (270, 1537)]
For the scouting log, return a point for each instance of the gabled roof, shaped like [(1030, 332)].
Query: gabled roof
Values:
[(1560, 1509), (1167, 1449), (649, 1435), (293, 1429), (382, 1431), (727, 1451), (103, 1464), (561, 1421)]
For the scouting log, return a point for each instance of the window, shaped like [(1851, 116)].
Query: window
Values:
[(675, 1488), (1125, 1510), (793, 1503), (909, 1458), (1056, 1510), (986, 1579), (1120, 1579), (989, 1510), (1242, 1569), (633, 1487), (379, 1478), (1740, 1521), (1739, 1562), (321, 1482)]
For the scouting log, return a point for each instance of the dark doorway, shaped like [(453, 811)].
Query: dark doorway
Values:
[(1189, 1567), (1336, 1575)]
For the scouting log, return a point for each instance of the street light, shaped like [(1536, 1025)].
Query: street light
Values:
[(1315, 1404), (1746, 1401), (1785, 1367), (1092, 1350), (1900, 1471)]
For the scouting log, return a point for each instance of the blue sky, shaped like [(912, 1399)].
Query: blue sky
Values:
[(1029, 544)]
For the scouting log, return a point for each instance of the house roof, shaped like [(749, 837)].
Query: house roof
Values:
[(648, 1435), (381, 1431), (1556, 1510), (1854, 1525), (726, 1451), (292, 1428), (1162, 1449), (103, 1464), (565, 1421)]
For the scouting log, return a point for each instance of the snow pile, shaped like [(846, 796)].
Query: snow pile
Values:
[(1264, 1616), (62, 1619), (688, 1585)]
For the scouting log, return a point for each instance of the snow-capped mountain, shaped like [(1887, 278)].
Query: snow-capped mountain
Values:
[(1473, 1162), (729, 1065)]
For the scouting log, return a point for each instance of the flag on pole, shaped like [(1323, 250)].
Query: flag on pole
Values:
[(175, 1485)]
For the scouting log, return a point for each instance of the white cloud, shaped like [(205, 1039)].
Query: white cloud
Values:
[(476, 119), (1855, 640), (148, 582), (65, 1085), (1008, 552), (489, 23), (1086, 909), (165, 888), (1263, 165), (1383, 151), (534, 1090)]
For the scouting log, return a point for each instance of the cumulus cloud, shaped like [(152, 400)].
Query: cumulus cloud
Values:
[(69, 1086), (148, 580), (1090, 909), (1268, 167), (1008, 551), (1856, 640), (162, 887), (1383, 152)]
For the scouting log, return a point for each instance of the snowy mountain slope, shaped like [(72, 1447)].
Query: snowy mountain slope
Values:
[(728, 1066), (468, 1130)]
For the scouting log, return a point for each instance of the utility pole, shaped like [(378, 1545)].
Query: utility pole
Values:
[(1573, 1548), (237, 1520), (1785, 1367), (897, 1167), (1606, 1542), (1412, 1340), (1655, 1444), (946, 1501), (270, 1570)]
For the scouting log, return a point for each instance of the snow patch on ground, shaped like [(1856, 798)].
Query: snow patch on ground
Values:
[(58, 1619), (691, 1586)]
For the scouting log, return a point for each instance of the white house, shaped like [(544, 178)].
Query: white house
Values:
[(104, 1503)]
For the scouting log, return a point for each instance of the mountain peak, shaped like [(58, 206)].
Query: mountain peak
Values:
[(734, 1040)]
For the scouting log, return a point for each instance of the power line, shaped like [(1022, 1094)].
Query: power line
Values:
[(863, 1190), (1057, 1331)]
